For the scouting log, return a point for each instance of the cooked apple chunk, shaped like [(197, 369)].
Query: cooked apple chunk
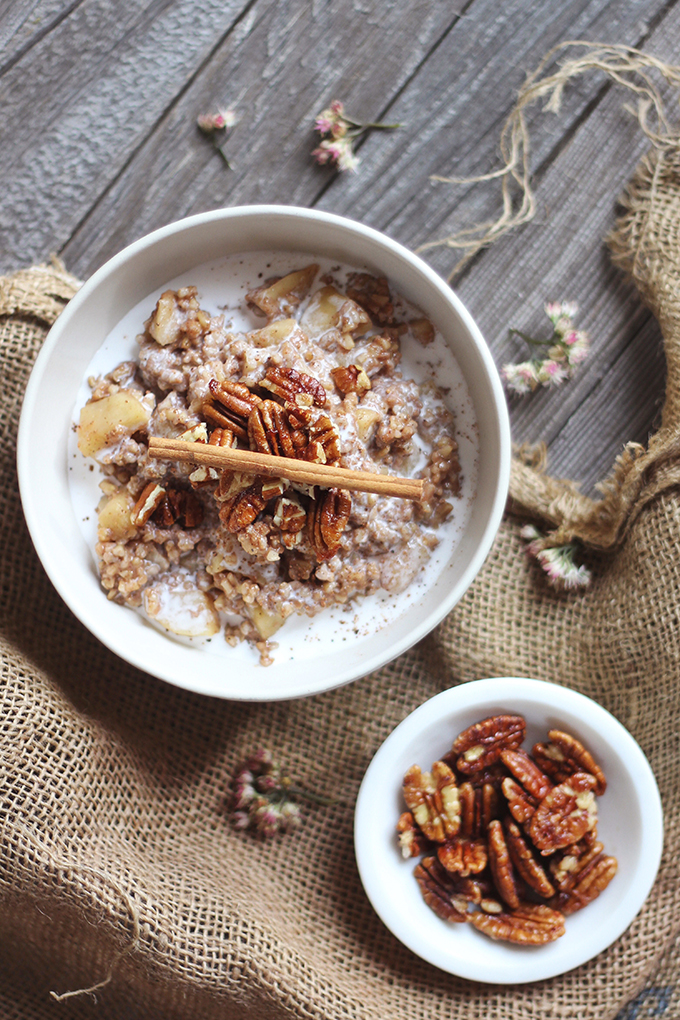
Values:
[(279, 300), (329, 309), (266, 623), (181, 608), (107, 421), (115, 520)]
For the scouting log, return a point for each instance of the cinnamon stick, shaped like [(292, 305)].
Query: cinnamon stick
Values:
[(324, 475)]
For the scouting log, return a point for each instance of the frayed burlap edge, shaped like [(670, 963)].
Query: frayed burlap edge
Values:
[(40, 292), (645, 244)]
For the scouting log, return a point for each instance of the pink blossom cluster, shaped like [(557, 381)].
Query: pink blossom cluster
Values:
[(339, 133), (223, 120), (557, 561), (260, 797), (337, 147), (566, 349)]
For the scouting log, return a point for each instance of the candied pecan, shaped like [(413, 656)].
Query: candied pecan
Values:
[(351, 379), (525, 863), (294, 387), (463, 856), (530, 924), (591, 880), (439, 892), (411, 840), (222, 437), (433, 798), (526, 772), (567, 864), (373, 294), (269, 430), (324, 442), (289, 515), (149, 500), (327, 518), (480, 745), (565, 814), (520, 803), (501, 865), (487, 805), (241, 510), (468, 812), (229, 406), (564, 755), (179, 505)]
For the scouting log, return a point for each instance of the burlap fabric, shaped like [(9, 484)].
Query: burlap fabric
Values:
[(117, 860)]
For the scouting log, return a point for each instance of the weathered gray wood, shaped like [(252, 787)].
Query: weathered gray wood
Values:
[(81, 101), (283, 64), (615, 397), (23, 22), (455, 107)]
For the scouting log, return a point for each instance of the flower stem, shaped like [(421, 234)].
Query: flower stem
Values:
[(529, 339), (315, 798)]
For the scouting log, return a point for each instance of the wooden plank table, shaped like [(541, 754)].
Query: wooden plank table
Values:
[(99, 146)]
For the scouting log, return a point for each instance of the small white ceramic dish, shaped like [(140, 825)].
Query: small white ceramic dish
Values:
[(630, 827), (315, 659)]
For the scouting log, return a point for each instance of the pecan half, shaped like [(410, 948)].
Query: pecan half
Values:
[(294, 387), (433, 799), (525, 863), (568, 864), (591, 881), (526, 772), (439, 891), (150, 499), (351, 379), (480, 745), (289, 515), (412, 842), (241, 510), (269, 430), (324, 442), (222, 437), (463, 856), (520, 803), (179, 505), (564, 755), (327, 518), (565, 814), (229, 406), (501, 865), (530, 924)]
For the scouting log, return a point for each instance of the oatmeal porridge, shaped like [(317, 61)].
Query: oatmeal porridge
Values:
[(308, 364)]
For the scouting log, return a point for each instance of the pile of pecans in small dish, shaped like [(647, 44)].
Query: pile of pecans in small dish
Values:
[(509, 839)]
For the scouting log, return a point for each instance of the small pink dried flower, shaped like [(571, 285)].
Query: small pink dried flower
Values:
[(217, 126), (340, 133), (261, 797), (566, 349), (556, 561)]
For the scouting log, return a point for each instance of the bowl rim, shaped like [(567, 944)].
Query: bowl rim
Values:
[(87, 613), (465, 697)]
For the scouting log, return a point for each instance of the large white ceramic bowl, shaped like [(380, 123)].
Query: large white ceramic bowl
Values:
[(630, 825), (314, 659)]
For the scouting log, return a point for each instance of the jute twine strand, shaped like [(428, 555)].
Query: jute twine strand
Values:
[(625, 65)]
